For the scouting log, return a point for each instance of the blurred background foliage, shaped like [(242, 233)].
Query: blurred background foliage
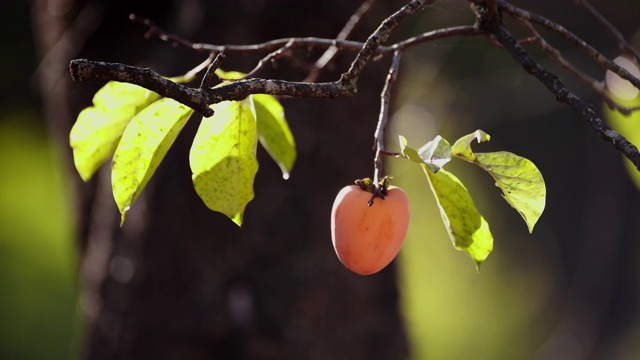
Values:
[(569, 290), (38, 255)]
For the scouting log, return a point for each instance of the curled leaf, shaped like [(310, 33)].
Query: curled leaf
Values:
[(462, 146), (519, 179), (434, 154)]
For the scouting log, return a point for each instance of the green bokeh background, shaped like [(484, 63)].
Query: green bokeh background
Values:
[(38, 258)]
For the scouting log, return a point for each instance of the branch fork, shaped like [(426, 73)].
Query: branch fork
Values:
[(489, 23)]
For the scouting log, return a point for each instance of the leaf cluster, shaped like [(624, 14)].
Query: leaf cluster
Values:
[(519, 179), (137, 127)]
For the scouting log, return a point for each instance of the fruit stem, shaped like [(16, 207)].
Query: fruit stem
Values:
[(377, 190)]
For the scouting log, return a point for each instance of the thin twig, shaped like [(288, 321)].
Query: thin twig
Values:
[(85, 70), (383, 119), (199, 100), (210, 76), (163, 35), (563, 94), (268, 46), (309, 42), (623, 44), (203, 65), (598, 86), (578, 42), (391, 153), (380, 36), (434, 35), (332, 51), (270, 57)]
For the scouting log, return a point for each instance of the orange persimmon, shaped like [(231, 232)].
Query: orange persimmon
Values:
[(367, 238)]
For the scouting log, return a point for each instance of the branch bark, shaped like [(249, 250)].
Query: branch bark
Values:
[(553, 83), (488, 13)]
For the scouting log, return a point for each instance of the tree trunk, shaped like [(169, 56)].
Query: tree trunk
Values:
[(181, 282)]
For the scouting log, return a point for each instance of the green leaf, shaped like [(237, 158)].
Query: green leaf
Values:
[(223, 160), (468, 230), (274, 133), (144, 144), (98, 129), (519, 179), (629, 127), (408, 152), (434, 154), (273, 130), (188, 77), (229, 75), (462, 147)]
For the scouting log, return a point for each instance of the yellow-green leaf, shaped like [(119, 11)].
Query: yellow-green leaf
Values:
[(409, 152), (468, 230), (625, 94), (519, 179), (274, 133), (229, 75), (223, 160), (273, 130), (144, 144), (98, 129), (521, 183), (434, 154), (629, 127), (462, 146)]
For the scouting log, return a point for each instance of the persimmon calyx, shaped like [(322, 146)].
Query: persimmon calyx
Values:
[(379, 190)]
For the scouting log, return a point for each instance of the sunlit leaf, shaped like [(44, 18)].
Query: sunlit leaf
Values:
[(223, 160), (273, 130), (468, 230), (629, 127), (408, 152), (434, 154), (188, 77), (462, 146), (98, 129), (229, 75), (519, 179), (274, 133), (144, 144), (625, 94)]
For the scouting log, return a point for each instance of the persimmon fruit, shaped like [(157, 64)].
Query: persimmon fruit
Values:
[(367, 238)]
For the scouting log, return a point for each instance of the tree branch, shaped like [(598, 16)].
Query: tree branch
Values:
[(199, 100), (563, 94), (578, 42), (597, 85), (269, 58), (332, 51), (434, 35), (489, 22), (623, 44), (380, 36), (383, 118), (85, 70)]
